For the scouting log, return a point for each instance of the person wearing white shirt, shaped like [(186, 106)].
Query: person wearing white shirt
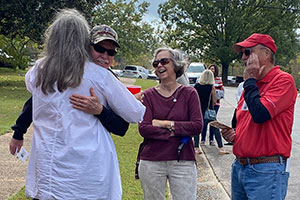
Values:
[(72, 155)]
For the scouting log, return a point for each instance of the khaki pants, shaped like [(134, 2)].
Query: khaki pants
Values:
[(182, 177)]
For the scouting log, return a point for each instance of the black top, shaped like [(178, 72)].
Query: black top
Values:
[(258, 111), (204, 91)]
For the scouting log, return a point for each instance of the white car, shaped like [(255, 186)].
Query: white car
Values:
[(231, 80), (133, 71), (117, 72), (194, 72), (152, 75)]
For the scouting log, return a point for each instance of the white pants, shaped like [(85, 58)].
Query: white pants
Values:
[(182, 177)]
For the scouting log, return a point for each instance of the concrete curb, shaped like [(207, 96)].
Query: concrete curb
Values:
[(209, 187)]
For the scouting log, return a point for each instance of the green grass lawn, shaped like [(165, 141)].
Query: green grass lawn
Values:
[(12, 98)]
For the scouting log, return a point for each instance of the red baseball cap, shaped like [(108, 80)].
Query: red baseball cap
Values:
[(255, 39)]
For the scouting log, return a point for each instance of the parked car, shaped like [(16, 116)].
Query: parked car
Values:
[(194, 72), (118, 72), (231, 80), (152, 75), (133, 71)]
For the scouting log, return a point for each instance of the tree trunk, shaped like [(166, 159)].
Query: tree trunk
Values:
[(225, 66)]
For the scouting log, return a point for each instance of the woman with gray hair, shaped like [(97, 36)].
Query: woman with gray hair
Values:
[(72, 155), (172, 116)]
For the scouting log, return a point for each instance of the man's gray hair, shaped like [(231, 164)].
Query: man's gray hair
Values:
[(177, 59), (66, 51), (272, 57)]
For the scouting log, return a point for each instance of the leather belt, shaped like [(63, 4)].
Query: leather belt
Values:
[(258, 160)]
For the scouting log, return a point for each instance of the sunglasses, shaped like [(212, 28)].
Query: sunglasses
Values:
[(162, 61), (247, 52), (101, 49)]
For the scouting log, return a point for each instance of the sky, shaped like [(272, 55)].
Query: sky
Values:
[(152, 12)]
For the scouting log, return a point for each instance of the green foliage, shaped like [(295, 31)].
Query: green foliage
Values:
[(208, 29), (136, 37), (23, 23), (17, 52), (29, 18), (294, 69)]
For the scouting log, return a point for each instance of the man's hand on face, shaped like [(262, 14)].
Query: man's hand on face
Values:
[(253, 69)]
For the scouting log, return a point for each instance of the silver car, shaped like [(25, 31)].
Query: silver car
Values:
[(133, 71)]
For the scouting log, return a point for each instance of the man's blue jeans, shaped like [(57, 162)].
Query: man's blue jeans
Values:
[(265, 181)]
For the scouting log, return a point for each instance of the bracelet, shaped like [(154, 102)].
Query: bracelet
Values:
[(171, 129)]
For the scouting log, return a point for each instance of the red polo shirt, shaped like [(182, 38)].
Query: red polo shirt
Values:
[(278, 94)]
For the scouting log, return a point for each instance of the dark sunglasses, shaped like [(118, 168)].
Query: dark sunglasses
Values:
[(101, 49), (247, 52), (162, 61)]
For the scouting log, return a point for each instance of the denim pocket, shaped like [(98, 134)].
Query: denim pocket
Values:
[(268, 168), (271, 178)]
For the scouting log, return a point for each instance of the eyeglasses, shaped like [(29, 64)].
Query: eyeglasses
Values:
[(101, 49), (162, 61), (247, 52)]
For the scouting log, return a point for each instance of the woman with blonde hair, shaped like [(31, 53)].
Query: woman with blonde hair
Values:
[(207, 96), (72, 154)]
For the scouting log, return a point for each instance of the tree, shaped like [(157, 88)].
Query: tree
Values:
[(29, 18), (135, 36), (208, 29), (24, 21)]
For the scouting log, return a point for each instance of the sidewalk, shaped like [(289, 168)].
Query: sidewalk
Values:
[(210, 186), (13, 171)]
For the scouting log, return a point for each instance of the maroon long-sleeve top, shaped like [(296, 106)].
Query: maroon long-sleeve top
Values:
[(185, 111)]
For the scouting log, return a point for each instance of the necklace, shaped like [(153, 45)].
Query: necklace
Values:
[(174, 95)]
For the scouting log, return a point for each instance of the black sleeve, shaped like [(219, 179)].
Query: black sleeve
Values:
[(24, 120), (233, 120), (112, 122), (257, 110)]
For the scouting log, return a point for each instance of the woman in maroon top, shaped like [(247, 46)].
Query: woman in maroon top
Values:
[(172, 116)]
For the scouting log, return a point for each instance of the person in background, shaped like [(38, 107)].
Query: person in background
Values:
[(220, 95), (72, 154), (172, 117), (104, 41), (207, 95), (238, 95), (184, 79), (265, 114)]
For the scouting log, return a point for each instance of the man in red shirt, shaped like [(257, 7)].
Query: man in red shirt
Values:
[(262, 139)]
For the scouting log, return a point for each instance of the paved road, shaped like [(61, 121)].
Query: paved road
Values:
[(221, 165)]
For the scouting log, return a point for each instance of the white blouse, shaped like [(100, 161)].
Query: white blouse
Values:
[(72, 155)]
